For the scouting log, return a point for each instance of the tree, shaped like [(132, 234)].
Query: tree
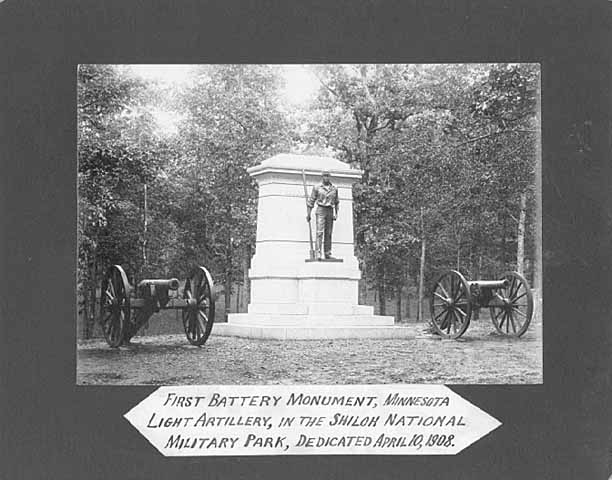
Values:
[(505, 109), (116, 157), (232, 121), (441, 172)]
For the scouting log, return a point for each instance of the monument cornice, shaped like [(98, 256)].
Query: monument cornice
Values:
[(259, 170), (294, 164)]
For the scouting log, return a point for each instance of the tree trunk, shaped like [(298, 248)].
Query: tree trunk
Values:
[(504, 254), (89, 296), (238, 289), (398, 304), (408, 286), (476, 265), (382, 297), (144, 232), (520, 239), (83, 297), (91, 319), (421, 271), (228, 293)]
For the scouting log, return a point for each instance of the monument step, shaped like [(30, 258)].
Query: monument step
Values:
[(310, 332), (310, 308), (259, 319)]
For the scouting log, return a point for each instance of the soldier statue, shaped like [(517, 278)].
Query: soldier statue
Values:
[(325, 196)]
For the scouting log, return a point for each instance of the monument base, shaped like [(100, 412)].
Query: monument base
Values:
[(310, 321), (279, 332)]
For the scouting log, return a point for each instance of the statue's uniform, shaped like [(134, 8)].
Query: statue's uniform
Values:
[(326, 199)]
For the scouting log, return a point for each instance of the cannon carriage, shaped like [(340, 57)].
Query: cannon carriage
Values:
[(454, 299), (124, 309)]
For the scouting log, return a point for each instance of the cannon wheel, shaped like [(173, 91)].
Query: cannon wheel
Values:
[(198, 320), (451, 306), (512, 317), (115, 305)]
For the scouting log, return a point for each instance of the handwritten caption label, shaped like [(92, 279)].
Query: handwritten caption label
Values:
[(311, 419)]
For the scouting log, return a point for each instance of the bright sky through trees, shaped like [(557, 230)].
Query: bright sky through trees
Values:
[(300, 87)]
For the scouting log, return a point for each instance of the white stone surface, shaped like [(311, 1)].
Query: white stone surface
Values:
[(292, 298), (310, 332)]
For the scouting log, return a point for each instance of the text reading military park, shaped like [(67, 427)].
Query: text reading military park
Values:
[(277, 420)]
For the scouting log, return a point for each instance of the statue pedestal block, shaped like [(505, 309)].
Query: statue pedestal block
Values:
[(293, 297)]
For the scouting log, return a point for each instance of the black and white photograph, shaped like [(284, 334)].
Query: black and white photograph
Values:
[(309, 224), (269, 240)]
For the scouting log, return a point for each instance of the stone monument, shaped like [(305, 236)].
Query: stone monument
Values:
[(293, 297)]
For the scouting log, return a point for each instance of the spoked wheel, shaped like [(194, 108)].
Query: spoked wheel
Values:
[(115, 306), (451, 307), (514, 309), (199, 316)]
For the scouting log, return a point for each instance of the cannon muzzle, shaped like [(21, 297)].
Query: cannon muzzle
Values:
[(171, 283)]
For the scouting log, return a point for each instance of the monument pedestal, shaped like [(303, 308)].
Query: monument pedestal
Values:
[(294, 298)]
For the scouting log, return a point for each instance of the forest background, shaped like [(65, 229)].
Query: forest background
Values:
[(449, 153)]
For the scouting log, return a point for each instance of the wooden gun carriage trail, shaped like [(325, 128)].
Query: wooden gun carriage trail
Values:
[(125, 309), (509, 300)]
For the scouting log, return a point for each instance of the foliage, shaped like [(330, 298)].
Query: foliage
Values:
[(117, 152), (232, 121), (453, 142), (447, 153)]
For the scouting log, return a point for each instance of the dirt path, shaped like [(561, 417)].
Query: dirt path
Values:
[(480, 357)]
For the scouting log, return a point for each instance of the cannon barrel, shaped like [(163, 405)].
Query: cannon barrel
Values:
[(171, 283), (490, 283)]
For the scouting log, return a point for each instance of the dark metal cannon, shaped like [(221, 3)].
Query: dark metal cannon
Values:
[(125, 309), (453, 298)]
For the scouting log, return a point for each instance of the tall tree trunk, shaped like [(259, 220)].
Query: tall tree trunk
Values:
[(228, 293), (228, 278), (238, 288), (85, 297), (144, 232), (91, 319), (398, 304), (421, 270), (475, 265), (408, 287), (520, 239), (382, 298)]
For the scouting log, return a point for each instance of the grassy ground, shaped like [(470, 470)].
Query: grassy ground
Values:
[(479, 357)]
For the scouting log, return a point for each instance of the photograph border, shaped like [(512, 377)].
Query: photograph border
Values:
[(54, 428)]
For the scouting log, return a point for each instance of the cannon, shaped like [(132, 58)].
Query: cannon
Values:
[(125, 309), (453, 298)]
